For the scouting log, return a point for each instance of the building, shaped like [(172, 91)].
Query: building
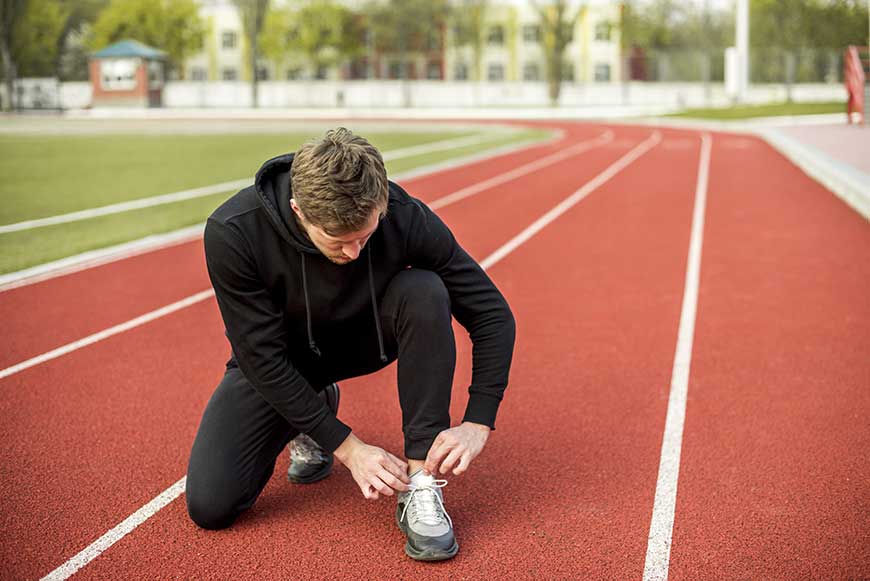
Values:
[(127, 74), (512, 49)]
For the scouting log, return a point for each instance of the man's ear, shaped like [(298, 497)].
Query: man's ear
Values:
[(296, 209)]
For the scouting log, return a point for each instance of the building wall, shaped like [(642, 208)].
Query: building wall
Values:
[(516, 56), (134, 97)]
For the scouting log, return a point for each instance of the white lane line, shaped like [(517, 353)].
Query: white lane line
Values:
[(141, 320), (106, 333), (130, 523), (513, 174), (658, 552), (100, 256), (140, 203), (75, 345), (94, 258), (572, 200), (117, 533)]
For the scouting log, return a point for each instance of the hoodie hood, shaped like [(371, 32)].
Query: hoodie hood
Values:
[(272, 184)]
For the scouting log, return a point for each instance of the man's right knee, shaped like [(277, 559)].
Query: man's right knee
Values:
[(210, 512)]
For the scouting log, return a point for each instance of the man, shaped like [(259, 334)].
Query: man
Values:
[(325, 270)]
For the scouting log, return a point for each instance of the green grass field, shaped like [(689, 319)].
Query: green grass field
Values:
[(45, 175), (771, 110)]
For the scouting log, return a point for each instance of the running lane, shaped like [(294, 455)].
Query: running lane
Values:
[(46, 315), (131, 404), (565, 487), (774, 476)]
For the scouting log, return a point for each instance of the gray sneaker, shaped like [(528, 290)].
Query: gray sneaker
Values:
[(420, 514), (308, 461)]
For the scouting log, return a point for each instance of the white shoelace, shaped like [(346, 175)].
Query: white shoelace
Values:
[(425, 505)]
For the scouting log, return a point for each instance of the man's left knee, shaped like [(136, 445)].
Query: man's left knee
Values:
[(423, 294)]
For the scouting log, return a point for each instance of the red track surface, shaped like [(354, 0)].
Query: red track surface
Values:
[(773, 481)]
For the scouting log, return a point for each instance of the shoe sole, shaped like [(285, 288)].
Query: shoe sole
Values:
[(332, 395), (427, 555)]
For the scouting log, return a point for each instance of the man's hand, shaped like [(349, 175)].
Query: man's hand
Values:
[(461, 444), (374, 469)]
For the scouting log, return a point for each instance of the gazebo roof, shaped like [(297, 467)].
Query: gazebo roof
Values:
[(130, 48)]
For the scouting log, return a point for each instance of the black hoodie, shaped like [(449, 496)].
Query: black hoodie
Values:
[(286, 306)]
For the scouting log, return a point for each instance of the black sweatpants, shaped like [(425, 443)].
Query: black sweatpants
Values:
[(241, 435)]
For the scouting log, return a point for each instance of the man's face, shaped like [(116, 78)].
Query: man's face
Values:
[(339, 249)]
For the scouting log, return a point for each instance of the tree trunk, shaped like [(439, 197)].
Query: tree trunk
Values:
[(61, 49), (555, 90), (554, 76), (254, 80), (789, 74), (9, 73)]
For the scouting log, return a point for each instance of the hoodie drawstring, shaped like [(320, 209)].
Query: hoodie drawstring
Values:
[(375, 307), (311, 344)]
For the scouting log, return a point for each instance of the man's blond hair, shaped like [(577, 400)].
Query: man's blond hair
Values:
[(338, 181)]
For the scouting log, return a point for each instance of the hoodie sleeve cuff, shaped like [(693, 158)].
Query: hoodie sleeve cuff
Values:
[(330, 433), (482, 409)]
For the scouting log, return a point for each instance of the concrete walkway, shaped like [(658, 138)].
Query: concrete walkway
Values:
[(849, 144), (837, 155)]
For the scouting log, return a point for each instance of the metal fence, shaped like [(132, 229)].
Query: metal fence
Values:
[(766, 65)]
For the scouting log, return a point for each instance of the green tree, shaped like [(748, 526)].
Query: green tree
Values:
[(34, 43), (78, 16), (322, 32), (173, 26), (405, 27), (467, 19), (557, 24), (253, 14), (680, 40), (11, 14)]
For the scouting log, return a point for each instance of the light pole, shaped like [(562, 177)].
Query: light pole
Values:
[(742, 41)]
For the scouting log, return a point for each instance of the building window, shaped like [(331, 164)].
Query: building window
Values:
[(460, 73), (496, 35), (322, 73), (433, 42), (602, 31), (198, 74), (228, 40), (495, 72), (531, 72), (602, 72), (568, 72), (262, 73), (294, 74), (433, 71), (532, 33), (229, 74), (118, 74), (395, 71)]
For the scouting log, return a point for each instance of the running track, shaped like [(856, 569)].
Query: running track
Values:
[(773, 475)]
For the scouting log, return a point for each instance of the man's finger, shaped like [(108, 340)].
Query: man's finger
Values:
[(392, 481), (369, 492), (434, 457), (397, 468), (451, 460), (463, 464), (401, 466), (380, 486)]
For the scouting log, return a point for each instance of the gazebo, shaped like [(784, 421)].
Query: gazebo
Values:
[(127, 74)]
